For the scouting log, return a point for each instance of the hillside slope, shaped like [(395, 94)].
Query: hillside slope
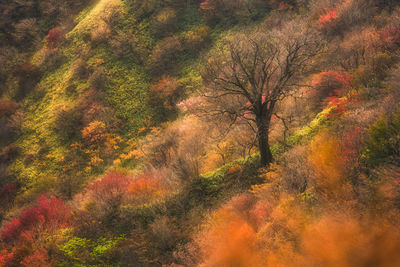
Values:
[(129, 133)]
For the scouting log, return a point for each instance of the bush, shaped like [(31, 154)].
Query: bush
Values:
[(68, 121), (383, 144), (167, 92), (7, 107), (109, 193), (97, 79), (195, 40), (128, 44), (165, 55), (47, 213), (326, 159), (164, 22), (346, 14), (330, 83), (79, 69), (95, 132), (28, 76), (55, 37)]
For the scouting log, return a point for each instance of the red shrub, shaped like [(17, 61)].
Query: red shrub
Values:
[(6, 258), (110, 190), (338, 104), (330, 83), (55, 37), (328, 18), (39, 258), (49, 213), (11, 230)]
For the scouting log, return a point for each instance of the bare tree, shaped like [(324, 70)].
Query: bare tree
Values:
[(249, 74)]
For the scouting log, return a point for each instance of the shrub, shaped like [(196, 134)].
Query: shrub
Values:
[(55, 37), (145, 188), (163, 233), (328, 18), (383, 144), (164, 22), (47, 213), (7, 193), (68, 121), (230, 240), (101, 33), (195, 40), (352, 142), (343, 16), (39, 257), (109, 192), (165, 55), (97, 79), (95, 132), (330, 83), (128, 44), (79, 69), (95, 111), (390, 37), (294, 176), (372, 74), (167, 91), (7, 107), (28, 76)]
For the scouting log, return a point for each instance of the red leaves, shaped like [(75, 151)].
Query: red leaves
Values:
[(47, 213), (339, 104), (330, 83), (110, 190), (328, 18), (11, 230)]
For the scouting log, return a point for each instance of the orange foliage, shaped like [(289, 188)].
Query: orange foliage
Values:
[(145, 187), (326, 159), (95, 132), (231, 241), (342, 240)]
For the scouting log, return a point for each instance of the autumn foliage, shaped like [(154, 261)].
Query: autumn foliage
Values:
[(23, 233), (49, 213), (328, 18), (330, 83), (55, 37)]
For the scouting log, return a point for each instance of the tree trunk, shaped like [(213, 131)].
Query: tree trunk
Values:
[(263, 142)]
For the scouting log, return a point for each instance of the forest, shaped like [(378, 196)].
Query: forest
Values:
[(208, 133)]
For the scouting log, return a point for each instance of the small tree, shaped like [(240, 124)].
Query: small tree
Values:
[(250, 73)]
